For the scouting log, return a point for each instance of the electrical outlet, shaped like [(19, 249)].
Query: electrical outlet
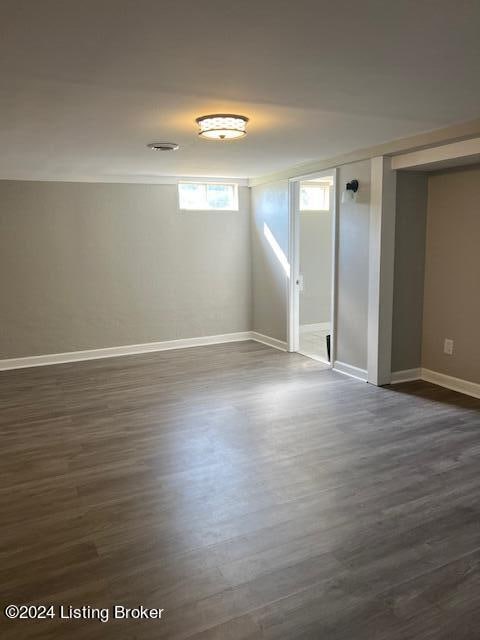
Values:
[(448, 347)]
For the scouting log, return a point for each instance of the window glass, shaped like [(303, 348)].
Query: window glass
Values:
[(208, 196), (314, 197), (192, 196)]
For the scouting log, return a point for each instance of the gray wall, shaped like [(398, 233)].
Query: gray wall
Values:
[(270, 282), (452, 274), (410, 229), (85, 266), (353, 258), (316, 266)]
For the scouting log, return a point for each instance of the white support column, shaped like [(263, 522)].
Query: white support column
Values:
[(381, 265)]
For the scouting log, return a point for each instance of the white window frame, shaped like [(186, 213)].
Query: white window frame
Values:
[(205, 183)]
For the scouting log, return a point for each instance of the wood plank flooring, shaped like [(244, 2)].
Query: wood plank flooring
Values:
[(252, 494)]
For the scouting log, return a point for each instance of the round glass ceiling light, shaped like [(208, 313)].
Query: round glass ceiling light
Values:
[(222, 126)]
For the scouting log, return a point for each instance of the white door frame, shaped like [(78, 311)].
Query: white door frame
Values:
[(293, 318)]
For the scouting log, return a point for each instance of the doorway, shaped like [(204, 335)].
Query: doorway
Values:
[(313, 221)]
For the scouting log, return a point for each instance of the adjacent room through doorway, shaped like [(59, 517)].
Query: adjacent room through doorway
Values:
[(314, 260)]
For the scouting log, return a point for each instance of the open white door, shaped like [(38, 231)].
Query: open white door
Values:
[(313, 241)]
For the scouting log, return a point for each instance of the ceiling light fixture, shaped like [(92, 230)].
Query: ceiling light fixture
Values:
[(222, 126), (163, 146)]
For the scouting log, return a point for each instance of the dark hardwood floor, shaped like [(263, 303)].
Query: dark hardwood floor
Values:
[(251, 494)]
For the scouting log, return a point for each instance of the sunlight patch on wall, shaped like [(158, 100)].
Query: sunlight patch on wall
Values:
[(277, 249)]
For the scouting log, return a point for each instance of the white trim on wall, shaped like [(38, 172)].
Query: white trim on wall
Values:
[(135, 349), (449, 382), (316, 326), (271, 342), (436, 157), (293, 300), (456, 384), (124, 350), (293, 293), (381, 271), (119, 179), (350, 370), (440, 379), (407, 375), (335, 268)]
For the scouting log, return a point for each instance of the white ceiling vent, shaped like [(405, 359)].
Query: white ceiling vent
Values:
[(163, 146)]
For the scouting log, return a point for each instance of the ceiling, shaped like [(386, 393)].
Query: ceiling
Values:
[(84, 86)]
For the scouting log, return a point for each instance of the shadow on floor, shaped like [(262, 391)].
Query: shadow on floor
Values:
[(429, 391)]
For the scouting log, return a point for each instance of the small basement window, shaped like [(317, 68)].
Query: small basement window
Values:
[(208, 196), (314, 197)]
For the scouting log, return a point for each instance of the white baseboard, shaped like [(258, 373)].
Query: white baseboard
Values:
[(407, 375), (132, 349), (125, 350), (441, 379), (271, 342), (317, 326), (455, 384), (349, 370)]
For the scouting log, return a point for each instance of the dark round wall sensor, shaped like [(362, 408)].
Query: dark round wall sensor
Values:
[(163, 146)]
